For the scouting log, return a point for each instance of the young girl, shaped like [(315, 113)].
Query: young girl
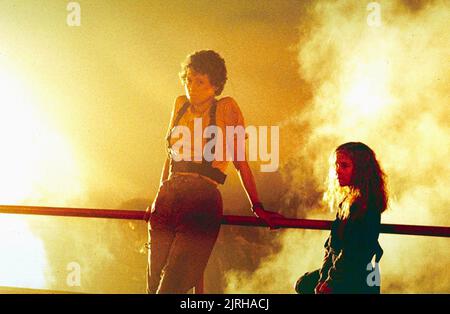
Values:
[(186, 213), (357, 187)]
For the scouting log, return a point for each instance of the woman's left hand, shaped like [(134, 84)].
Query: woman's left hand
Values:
[(267, 216)]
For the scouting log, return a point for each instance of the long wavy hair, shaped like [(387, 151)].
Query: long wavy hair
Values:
[(368, 183)]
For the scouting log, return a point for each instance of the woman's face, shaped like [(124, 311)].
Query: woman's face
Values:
[(198, 87), (344, 169)]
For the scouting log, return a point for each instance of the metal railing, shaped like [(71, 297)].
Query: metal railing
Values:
[(433, 231)]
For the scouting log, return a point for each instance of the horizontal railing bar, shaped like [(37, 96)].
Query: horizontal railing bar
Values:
[(72, 212), (436, 231), (433, 231)]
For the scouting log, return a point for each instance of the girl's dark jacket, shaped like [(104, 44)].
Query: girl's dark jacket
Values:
[(348, 251)]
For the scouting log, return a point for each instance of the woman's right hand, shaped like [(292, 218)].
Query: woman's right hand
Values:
[(148, 212), (151, 208)]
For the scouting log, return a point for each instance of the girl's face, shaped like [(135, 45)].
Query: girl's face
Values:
[(344, 169), (198, 87)]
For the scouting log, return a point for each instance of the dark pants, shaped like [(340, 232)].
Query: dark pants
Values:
[(182, 233), (306, 284)]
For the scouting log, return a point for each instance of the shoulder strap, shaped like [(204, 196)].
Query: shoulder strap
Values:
[(175, 122), (181, 113), (212, 122), (212, 113)]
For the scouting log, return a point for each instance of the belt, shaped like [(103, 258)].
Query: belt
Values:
[(202, 169), (193, 175)]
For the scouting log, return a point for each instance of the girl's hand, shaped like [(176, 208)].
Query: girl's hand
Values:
[(317, 288), (323, 288)]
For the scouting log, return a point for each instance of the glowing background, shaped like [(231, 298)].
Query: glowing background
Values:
[(84, 110)]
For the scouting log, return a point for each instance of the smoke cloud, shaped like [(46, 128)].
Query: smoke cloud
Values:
[(387, 86)]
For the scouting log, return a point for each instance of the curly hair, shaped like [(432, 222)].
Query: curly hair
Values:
[(206, 62), (368, 183)]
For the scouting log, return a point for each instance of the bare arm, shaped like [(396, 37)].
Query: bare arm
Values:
[(164, 176), (248, 182), (165, 170), (233, 117)]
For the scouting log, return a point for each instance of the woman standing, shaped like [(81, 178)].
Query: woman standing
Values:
[(186, 214), (357, 187)]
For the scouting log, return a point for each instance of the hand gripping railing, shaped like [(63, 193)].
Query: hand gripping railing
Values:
[(433, 231)]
